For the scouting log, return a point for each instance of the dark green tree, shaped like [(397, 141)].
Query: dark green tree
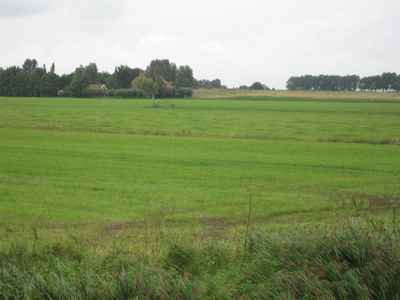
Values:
[(206, 84), (256, 86), (41, 71), (184, 77), (78, 84), (53, 68), (389, 81), (64, 81), (103, 77), (91, 71), (124, 76), (111, 82), (49, 85), (324, 83), (30, 66), (164, 68), (79, 70), (216, 83)]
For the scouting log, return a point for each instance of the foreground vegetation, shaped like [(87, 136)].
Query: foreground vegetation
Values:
[(309, 263)]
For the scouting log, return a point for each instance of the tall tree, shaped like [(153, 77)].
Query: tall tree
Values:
[(79, 70), (53, 68), (30, 66), (164, 68), (78, 84), (124, 75), (65, 81), (91, 71), (256, 86), (49, 85), (389, 81), (216, 83), (41, 71), (184, 77)]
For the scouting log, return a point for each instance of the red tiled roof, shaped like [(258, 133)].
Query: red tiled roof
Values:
[(159, 78), (96, 86)]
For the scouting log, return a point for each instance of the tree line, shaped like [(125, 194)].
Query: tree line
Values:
[(386, 82), (31, 80), (256, 86), (211, 84)]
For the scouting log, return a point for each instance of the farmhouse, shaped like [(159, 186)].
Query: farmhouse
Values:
[(98, 86), (159, 78)]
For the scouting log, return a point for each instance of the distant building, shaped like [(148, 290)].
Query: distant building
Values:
[(159, 78), (60, 93), (98, 86)]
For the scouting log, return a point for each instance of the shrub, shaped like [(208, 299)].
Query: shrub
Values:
[(147, 86), (166, 92), (124, 93), (185, 92), (94, 93)]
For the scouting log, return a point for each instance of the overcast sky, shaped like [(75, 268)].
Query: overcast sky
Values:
[(239, 42)]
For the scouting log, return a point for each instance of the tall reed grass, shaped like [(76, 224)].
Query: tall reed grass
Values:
[(351, 262)]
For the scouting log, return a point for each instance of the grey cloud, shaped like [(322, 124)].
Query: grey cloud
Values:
[(21, 8)]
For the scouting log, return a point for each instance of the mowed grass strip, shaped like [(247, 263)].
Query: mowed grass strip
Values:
[(286, 120), (76, 177)]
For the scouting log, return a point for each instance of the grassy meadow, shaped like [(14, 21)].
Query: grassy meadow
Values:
[(274, 119), (115, 199), (86, 166)]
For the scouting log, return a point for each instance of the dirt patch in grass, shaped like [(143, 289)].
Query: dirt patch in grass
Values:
[(306, 211), (125, 226), (380, 202), (366, 202), (217, 223), (117, 226)]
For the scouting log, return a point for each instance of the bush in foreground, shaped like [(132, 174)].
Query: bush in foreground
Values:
[(306, 263)]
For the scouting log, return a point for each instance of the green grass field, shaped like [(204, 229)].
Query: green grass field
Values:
[(284, 120), (186, 164)]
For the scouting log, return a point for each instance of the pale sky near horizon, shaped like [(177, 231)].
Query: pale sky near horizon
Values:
[(239, 42)]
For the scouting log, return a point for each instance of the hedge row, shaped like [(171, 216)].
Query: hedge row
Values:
[(164, 92), (117, 93)]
